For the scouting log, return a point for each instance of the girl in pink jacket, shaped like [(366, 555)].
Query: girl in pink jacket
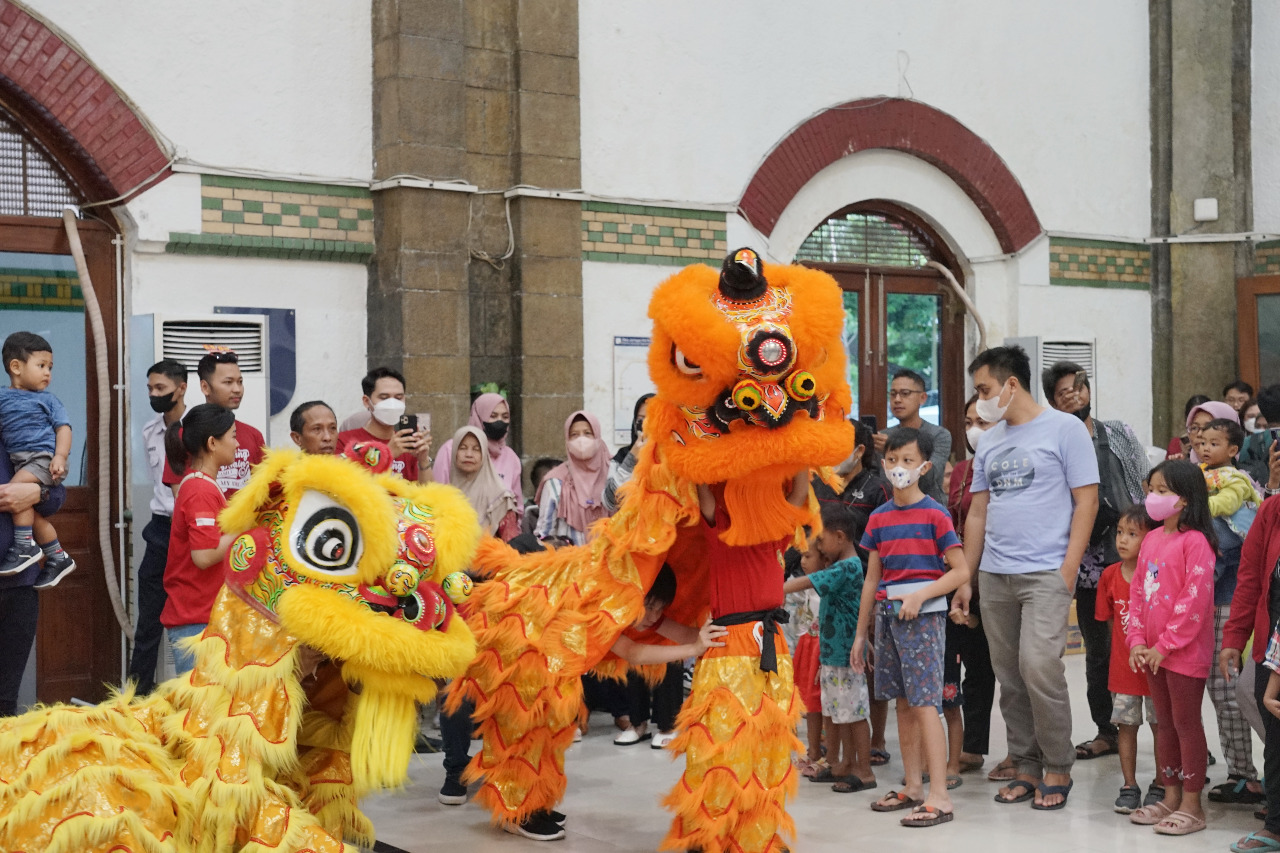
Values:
[(1170, 637)]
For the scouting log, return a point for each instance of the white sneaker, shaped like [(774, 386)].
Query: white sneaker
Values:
[(661, 739), (577, 734), (627, 737)]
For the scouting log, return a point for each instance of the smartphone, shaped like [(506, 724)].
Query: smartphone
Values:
[(407, 422), (424, 421), (871, 421), (1082, 378)]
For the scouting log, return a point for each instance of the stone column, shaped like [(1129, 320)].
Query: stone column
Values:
[(1207, 137), (475, 288)]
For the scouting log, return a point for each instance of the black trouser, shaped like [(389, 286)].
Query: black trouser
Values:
[(455, 733), (605, 694), (151, 601), (979, 688), (663, 700), (1270, 748), (19, 611), (1097, 662)]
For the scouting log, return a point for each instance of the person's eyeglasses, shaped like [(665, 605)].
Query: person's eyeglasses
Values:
[(223, 356), (1194, 429), (899, 393)]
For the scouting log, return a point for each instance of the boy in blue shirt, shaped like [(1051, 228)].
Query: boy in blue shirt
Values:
[(845, 703), (37, 434), (911, 544)]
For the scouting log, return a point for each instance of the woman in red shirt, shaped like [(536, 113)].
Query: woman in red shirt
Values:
[(196, 447)]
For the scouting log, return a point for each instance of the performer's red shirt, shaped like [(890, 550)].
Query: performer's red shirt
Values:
[(743, 578)]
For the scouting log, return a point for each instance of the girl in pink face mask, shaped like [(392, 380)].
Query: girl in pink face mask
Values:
[(1170, 637), (572, 494)]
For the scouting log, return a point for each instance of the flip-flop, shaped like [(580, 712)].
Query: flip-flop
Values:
[(935, 817), (1003, 772), (879, 758), (1048, 790), (971, 766), (852, 785), (1267, 845), (954, 782), (1084, 751), (1028, 792), (903, 802), (824, 775), (1180, 823)]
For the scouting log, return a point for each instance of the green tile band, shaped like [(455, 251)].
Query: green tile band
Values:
[(228, 245)]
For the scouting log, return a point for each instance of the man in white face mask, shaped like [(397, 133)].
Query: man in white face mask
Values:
[(384, 399), (1035, 495)]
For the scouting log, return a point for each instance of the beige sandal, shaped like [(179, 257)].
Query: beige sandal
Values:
[(1150, 815), (1180, 823)]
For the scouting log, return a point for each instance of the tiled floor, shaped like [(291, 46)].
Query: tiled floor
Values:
[(614, 795)]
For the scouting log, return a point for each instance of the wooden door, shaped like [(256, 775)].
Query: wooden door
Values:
[(78, 645), (903, 318), (1258, 324)]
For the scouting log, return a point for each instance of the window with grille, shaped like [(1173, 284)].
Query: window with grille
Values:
[(867, 238), (31, 182)]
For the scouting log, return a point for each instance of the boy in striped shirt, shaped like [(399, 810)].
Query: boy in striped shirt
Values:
[(911, 544)]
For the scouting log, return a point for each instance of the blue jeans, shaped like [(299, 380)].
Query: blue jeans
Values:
[(183, 660)]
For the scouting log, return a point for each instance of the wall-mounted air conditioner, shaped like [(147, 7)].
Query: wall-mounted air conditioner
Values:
[(188, 338), (1044, 353)]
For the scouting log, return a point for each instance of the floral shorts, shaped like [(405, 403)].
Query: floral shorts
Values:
[(909, 657), (844, 694)]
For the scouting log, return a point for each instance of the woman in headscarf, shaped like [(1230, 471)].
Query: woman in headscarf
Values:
[(572, 494), (471, 472), (491, 414), (624, 461)]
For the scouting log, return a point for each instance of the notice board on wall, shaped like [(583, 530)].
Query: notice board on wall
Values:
[(630, 382)]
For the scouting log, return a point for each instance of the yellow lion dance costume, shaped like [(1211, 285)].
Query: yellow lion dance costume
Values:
[(751, 389), (337, 580)]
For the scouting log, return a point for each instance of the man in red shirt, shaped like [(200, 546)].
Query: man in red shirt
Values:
[(384, 398), (222, 385), (314, 428)]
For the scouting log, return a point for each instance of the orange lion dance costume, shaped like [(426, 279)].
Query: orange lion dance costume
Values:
[(338, 578), (751, 389)]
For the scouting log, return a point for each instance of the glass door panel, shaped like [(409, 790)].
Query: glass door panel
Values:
[(913, 341), (1268, 328), (853, 344), (41, 293)]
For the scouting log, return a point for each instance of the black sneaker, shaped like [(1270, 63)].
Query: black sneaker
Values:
[(19, 557), (537, 827), (55, 569), (558, 817), (452, 792), (1129, 800)]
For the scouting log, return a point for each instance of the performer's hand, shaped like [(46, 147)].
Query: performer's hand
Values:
[(710, 634)]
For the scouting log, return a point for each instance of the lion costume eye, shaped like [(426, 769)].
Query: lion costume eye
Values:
[(688, 368), (325, 535)]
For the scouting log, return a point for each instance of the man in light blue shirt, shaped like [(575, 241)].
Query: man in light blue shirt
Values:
[(1035, 495)]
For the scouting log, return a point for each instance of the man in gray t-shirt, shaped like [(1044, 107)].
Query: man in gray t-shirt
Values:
[(907, 393), (1035, 494)]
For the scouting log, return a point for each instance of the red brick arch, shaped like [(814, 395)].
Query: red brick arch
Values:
[(52, 86), (900, 125)]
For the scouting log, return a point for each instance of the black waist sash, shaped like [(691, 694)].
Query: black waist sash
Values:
[(771, 619)]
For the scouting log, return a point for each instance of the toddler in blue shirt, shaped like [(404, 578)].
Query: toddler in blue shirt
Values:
[(37, 435)]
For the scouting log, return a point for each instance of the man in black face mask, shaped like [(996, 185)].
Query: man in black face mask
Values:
[(166, 388), (1122, 465)]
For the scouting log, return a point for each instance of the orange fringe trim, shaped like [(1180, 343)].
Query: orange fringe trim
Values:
[(737, 733)]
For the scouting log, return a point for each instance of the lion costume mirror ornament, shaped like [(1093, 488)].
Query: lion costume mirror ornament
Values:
[(337, 614), (750, 371)]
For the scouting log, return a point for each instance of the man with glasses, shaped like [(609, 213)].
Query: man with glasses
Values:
[(1122, 466), (907, 393)]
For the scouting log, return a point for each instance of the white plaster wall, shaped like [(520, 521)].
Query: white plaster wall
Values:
[(328, 298), (615, 301), (283, 86), (1120, 323), (683, 100), (1266, 117)]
